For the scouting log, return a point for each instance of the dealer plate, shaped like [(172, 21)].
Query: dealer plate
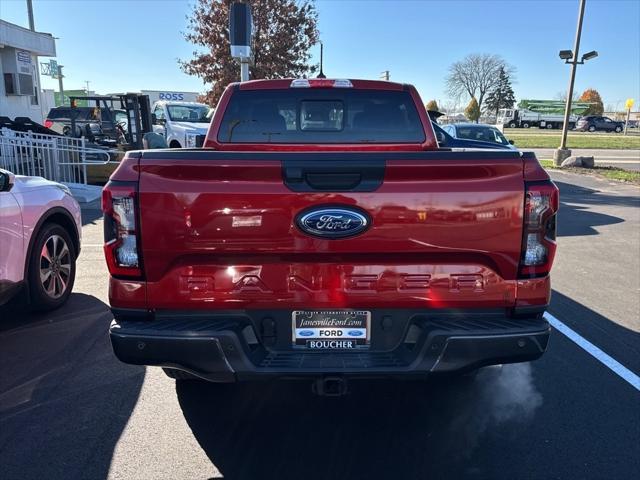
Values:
[(331, 329)]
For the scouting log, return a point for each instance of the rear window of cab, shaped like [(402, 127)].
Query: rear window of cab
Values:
[(332, 115)]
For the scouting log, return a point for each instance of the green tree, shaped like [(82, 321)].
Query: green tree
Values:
[(432, 106), (472, 112), (592, 95), (501, 96), (283, 33)]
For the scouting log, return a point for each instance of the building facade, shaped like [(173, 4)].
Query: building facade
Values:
[(20, 90)]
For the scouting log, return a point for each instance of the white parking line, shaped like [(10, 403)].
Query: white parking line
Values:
[(613, 365)]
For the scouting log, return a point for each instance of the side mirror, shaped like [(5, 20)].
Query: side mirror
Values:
[(154, 119), (7, 179), (512, 142)]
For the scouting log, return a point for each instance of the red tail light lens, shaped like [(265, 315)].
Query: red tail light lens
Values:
[(539, 229), (321, 83), (121, 238), (48, 123)]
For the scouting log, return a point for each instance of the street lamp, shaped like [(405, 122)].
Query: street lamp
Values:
[(566, 54), (571, 57)]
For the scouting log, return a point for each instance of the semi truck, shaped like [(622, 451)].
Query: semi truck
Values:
[(547, 114), (323, 233)]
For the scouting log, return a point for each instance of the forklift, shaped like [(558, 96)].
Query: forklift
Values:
[(103, 128)]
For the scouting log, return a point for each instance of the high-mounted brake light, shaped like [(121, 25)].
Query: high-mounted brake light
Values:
[(119, 204), (320, 83), (539, 229)]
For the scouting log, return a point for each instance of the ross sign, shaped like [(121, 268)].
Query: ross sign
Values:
[(170, 95), (629, 103)]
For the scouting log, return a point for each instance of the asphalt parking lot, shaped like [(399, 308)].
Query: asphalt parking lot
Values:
[(69, 409)]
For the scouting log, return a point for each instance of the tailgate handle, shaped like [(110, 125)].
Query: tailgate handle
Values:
[(333, 175), (333, 181)]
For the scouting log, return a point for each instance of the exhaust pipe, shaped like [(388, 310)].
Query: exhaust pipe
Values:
[(330, 386)]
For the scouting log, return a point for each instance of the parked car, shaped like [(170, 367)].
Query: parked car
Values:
[(445, 140), (183, 124), (323, 233), (478, 132), (595, 123), (59, 120), (39, 239)]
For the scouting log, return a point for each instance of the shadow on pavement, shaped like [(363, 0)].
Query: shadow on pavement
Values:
[(381, 429), (615, 339), (91, 213), (64, 398), (574, 218)]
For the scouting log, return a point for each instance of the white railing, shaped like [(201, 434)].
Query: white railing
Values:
[(58, 158)]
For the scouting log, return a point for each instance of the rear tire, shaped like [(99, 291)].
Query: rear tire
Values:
[(549, 126), (180, 375), (525, 125), (52, 268), (618, 129)]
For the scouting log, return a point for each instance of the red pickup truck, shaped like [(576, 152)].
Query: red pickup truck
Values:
[(323, 233)]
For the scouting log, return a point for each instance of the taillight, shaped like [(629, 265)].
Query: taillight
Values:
[(539, 229), (48, 123), (121, 233)]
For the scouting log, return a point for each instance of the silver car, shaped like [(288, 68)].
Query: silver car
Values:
[(479, 132)]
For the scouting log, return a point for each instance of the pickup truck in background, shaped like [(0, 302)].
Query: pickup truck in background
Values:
[(182, 124), (323, 233)]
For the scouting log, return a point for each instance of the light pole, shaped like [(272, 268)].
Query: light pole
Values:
[(571, 57)]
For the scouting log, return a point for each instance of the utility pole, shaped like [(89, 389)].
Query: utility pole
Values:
[(32, 25), (385, 75), (562, 153), (60, 84), (87, 82), (244, 70)]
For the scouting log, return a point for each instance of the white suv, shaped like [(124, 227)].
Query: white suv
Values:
[(40, 228), (182, 124)]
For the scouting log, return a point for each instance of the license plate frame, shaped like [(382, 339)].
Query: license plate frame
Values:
[(331, 329)]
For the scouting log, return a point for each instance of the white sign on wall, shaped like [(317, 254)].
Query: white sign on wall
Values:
[(23, 60)]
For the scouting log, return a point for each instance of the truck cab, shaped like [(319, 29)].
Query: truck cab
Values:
[(183, 124)]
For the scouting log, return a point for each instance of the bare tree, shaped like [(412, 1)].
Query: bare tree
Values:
[(476, 75)]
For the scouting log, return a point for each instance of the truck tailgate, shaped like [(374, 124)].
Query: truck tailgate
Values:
[(218, 229)]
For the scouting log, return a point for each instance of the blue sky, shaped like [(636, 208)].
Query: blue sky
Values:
[(134, 44)]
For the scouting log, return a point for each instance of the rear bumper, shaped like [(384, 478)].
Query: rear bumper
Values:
[(229, 347)]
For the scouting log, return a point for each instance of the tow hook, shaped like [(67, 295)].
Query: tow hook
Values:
[(330, 386)]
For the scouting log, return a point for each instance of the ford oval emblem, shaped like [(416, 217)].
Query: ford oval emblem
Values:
[(355, 333), (330, 223), (305, 333)]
